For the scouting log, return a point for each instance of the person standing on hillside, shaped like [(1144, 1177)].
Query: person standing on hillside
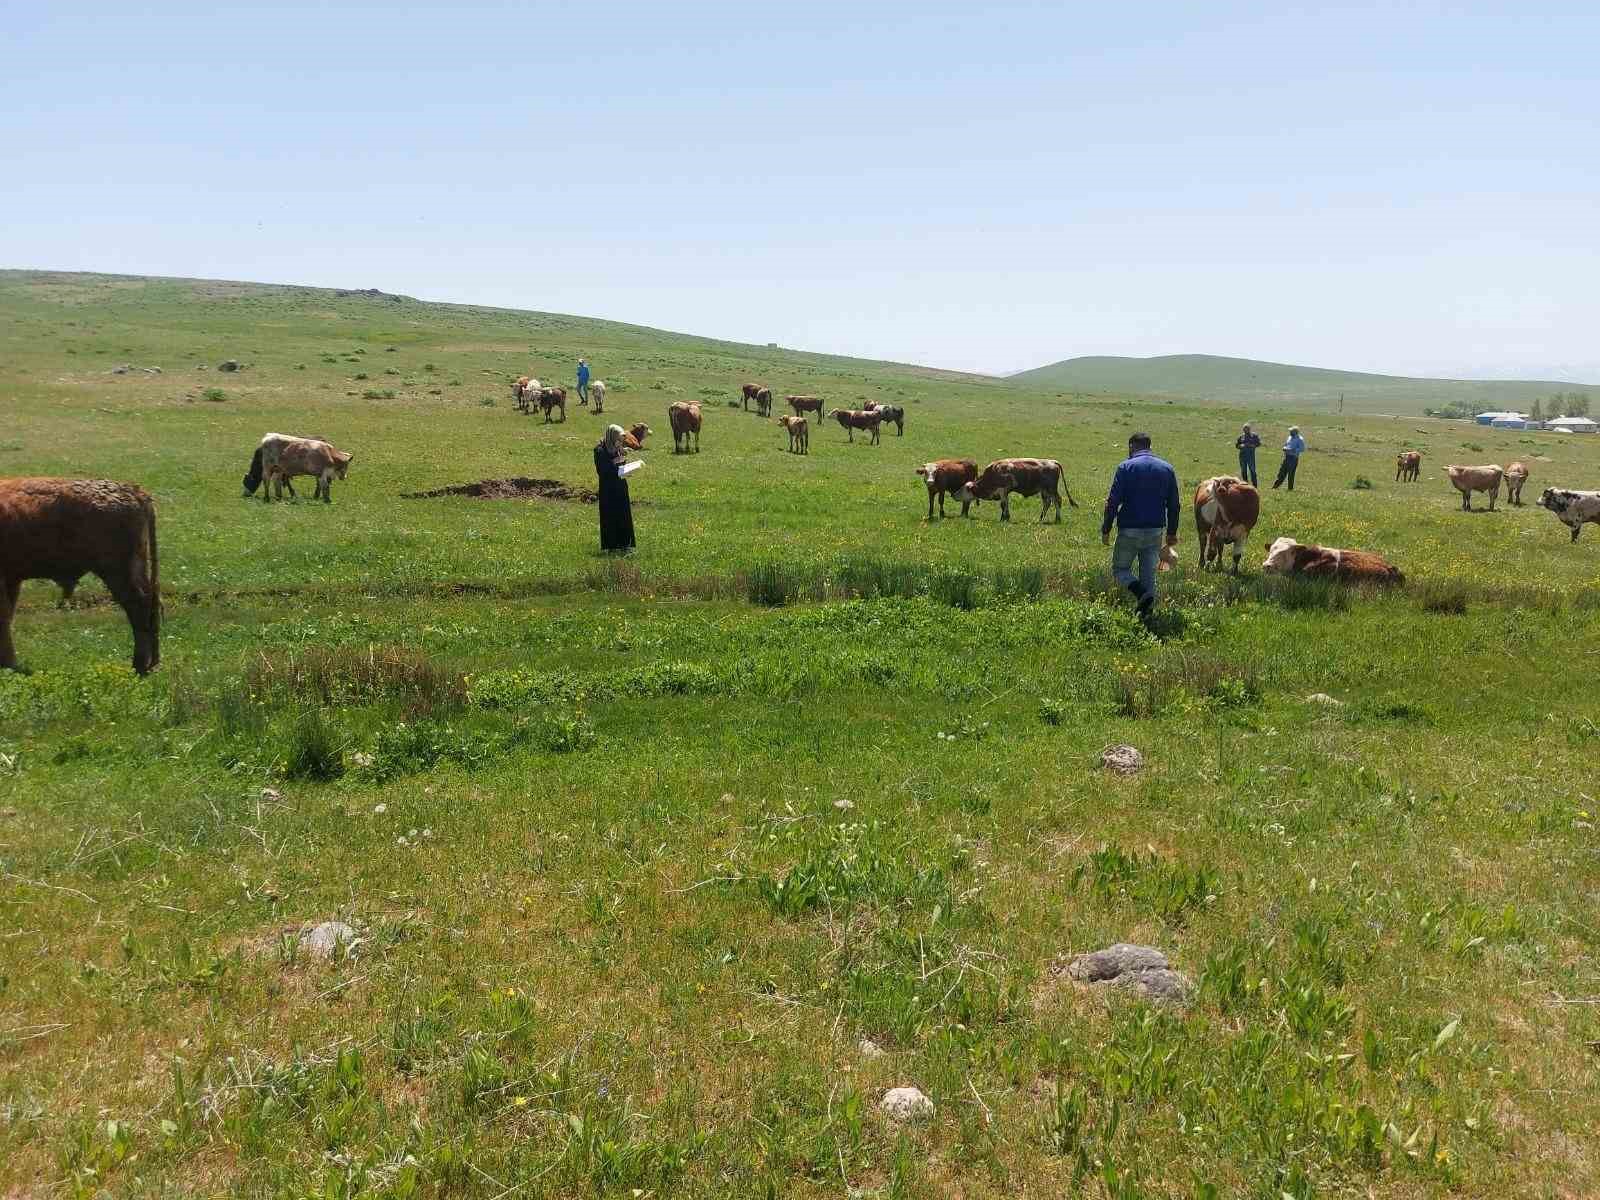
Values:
[(1247, 443), (583, 381), (1293, 448), (1143, 504), (616, 509)]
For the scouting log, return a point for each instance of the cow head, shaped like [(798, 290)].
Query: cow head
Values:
[(341, 461), (1555, 501), (990, 484), (1280, 556)]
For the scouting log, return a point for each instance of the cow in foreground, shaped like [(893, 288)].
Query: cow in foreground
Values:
[(550, 399), (1572, 509), (1225, 510), (850, 420), (805, 404), (948, 476), (799, 434), (684, 417), (1024, 476), (633, 437), (280, 457), (1467, 480), (597, 393), (1289, 557), (890, 412), (1407, 466), (64, 529), (1516, 476)]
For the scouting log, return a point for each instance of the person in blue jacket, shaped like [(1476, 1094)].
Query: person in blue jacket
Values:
[(1143, 504), (583, 381), (1293, 448)]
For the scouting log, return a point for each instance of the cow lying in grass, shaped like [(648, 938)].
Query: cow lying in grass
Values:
[(1025, 477), (948, 476), (1288, 557), (850, 420), (1467, 480), (64, 529), (1572, 509), (1407, 466), (281, 456), (1516, 476), (799, 434), (633, 437), (1225, 510)]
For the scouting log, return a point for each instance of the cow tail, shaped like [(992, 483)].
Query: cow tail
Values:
[(253, 479), (153, 579), (1068, 491)]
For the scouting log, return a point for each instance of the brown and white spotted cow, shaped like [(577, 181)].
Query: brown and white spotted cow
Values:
[(1025, 477), (1572, 509), (1226, 509), (523, 391), (1288, 557), (280, 457), (948, 476), (1516, 476), (851, 420), (1407, 466), (799, 434), (1467, 480)]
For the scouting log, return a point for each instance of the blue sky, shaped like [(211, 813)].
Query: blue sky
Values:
[(1395, 187)]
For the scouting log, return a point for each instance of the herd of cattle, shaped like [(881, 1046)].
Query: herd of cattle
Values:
[(63, 529)]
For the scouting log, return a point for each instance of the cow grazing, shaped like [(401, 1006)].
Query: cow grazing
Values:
[(1225, 510), (805, 404), (764, 402), (1288, 557), (1516, 476), (1407, 466), (749, 392), (597, 393), (799, 434), (851, 420), (1572, 509), (64, 529), (890, 412), (948, 476), (684, 417), (523, 391), (1026, 477), (550, 399), (1467, 480), (279, 457), (633, 437)]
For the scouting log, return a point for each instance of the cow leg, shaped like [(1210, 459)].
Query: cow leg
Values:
[(1005, 506), (9, 590), (1494, 494), (327, 489), (1576, 530)]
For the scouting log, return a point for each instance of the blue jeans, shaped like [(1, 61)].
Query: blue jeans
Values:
[(1247, 466), (583, 391), (1143, 544)]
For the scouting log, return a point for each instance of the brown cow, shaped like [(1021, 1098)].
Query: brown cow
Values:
[(948, 475), (851, 420), (64, 529), (1024, 476), (523, 391), (799, 434), (749, 392), (805, 404), (633, 437), (764, 402), (279, 457), (550, 399), (684, 417), (1288, 557), (1225, 510), (1407, 466), (890, 412), (1467, 480), (1516, 476)]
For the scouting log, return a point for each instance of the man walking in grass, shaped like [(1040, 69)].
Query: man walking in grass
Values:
[(1143, 504), (1293, 448), (583, 381), (1247, 444)]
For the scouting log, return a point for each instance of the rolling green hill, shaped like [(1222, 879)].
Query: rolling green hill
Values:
[(1246, 381)]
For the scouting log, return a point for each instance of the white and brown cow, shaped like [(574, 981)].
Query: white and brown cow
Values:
[(1025, 477), (523, 391), (1226, 509), (1516, 476), (1288, 557), (1572, 509), (597, 393), (1467, 480), (633, 437), (948, 476), (280, 457), (799, 434), (851, 420), (894, 413)]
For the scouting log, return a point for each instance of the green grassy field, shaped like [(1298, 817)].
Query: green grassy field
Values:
[(639, 853)]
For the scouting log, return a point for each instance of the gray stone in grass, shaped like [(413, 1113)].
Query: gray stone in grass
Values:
[(324, 940), (870, 1049), (231, 364), (1124, 958), (1122, 760), (906, 1104), (1167, 986), (1324, 698)]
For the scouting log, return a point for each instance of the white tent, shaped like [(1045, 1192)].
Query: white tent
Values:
[(1572, 424)]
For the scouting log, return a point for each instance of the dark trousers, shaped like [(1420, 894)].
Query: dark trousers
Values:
[(1247, 467), (583, 392), (1291, 464)]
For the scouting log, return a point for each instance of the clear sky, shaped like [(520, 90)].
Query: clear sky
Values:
[(1392, 187)]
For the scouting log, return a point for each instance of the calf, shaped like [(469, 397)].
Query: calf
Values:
[(684, 417), (1225, 510), (1516, 476), (633, 437), (1572, 509), (1467, 480), (851, 420), (1288, 557), (1024, 476), (597, 392), (1407, 466), (948, 475), (550, 399), (805, 404), (64, 529), (279, 457), (799, 434)]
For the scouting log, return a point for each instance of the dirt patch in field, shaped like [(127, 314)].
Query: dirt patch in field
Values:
[(517, 488)]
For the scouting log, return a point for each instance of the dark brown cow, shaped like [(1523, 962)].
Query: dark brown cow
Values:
[(1288, 557), (1225, 510), (851, 420), (684, 417), (64, 529), (1516, 475), (1024, 476), (749, 392), (948, 476), (805, 404), (1407, 466), (550, 399)]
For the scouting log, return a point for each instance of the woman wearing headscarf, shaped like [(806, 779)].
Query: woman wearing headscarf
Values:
[(616, 510)]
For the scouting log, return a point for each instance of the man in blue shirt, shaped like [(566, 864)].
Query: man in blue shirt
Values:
[(1292, 450), (1143, 503), (583, 381)]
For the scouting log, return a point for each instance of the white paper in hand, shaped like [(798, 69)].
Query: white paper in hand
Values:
[(628, 468)]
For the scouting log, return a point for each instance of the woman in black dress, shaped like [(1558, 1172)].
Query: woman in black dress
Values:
[(616, 510)]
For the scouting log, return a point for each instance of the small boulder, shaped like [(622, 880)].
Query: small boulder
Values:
[(1167, 986), (122, 370), (870, 1049), (906, 1104), (1324, 698), (1124, 958), (231, 364), (324, 940), (1122, 760)]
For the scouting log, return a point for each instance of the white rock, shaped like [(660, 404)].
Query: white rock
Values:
[(1122, 760), (906, 1104), (844, 805), (870, 1049), (380, 809), (1324, 698), (324, 940)]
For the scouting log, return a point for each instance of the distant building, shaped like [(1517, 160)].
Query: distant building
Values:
[(1494, 418), (1572, 425)]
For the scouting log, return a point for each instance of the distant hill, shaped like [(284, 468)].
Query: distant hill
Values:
[(1249, 383)]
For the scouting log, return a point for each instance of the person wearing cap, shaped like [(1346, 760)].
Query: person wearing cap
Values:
[(1293, 448), (616, 509), (1247, 443), (583, 381), (1143, 504)]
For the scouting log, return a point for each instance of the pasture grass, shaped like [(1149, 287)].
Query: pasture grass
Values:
[(639, 851)]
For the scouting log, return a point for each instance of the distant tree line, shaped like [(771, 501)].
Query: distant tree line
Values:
[(1561, 404)]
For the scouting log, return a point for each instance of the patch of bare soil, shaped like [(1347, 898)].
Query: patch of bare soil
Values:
[(517, 488)]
